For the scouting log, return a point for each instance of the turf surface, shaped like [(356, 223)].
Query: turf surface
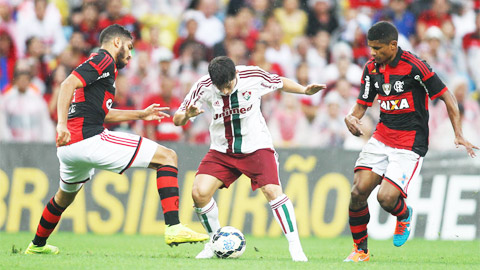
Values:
[(91, 251)]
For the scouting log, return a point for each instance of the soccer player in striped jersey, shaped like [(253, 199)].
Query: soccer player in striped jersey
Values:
[(392, 158), (240, 142), (84, 104)]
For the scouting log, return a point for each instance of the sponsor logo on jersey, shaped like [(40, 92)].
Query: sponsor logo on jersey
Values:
[(395, 104), (246, 95), (217, 103), (398, 86), (367, 87), (387, 88), (109, 103), (104, 75), (376, 85), (229, 112)]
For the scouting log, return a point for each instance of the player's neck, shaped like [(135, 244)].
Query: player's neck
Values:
[(110, 50)]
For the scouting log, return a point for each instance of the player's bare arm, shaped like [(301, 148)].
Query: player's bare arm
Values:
[(67, 88), (152, 112), (454, 115), (293, 87), (352, 120), (181, 117)]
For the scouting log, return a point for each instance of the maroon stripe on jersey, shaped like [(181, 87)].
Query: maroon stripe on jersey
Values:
[(253, 73), (227, 123), (262, 72), (76, 74), (134, 156), (362, 102), (75, 125), (402, 139), (404, 195), (79, 95), (204, 83), (439, 94), (397, 104), (419, 64)]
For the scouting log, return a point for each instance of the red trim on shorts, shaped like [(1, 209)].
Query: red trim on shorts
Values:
[(404, 195), (362, 168), (280, 220), (411, 177), (134, 156)]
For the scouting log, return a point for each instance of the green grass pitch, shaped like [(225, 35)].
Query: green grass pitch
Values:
[(91, 251)]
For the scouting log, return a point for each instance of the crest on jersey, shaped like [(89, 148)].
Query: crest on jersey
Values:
[(387, 88), (398, 86), (246, 95)]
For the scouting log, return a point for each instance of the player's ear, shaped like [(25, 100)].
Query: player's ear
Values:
[(117, 42), (393, 44)]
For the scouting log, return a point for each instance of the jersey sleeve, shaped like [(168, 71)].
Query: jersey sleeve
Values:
[(97, 67), (197, 94), (429, 80), (269, 82), (367, 92)]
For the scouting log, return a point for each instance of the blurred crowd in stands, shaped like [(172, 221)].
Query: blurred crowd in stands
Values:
[(323, 41)]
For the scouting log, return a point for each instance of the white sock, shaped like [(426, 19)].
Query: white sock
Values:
[(208, 216), (284, 214)]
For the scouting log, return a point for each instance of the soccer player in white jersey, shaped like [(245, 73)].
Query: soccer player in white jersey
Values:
[(240, 142)]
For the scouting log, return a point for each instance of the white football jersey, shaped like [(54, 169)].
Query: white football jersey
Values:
[(238, 125)]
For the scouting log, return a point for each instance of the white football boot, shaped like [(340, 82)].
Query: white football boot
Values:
[(206, 253)]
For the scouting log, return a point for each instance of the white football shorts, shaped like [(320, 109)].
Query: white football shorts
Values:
[(397, 166), (109, 150)]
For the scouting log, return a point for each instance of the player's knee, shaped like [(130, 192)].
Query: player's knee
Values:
[(357, 194), (199, 195), (169, 157), (386, 200), (271, 192)]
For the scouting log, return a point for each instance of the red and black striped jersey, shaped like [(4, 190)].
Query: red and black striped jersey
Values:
[(92, 102), (401, 88)]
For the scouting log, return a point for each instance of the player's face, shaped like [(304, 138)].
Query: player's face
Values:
[(124, 54), (228, 89), (381, 52)]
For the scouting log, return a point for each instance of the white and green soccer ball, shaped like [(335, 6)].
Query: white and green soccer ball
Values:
[(228, 242)]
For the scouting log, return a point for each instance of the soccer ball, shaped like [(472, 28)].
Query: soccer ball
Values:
[(228, 242)]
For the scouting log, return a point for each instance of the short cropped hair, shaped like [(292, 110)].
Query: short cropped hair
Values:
[(113, 31), (222, 71), (383, 31)]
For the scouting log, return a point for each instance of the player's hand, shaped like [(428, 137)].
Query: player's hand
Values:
[(193, 110), (314, 88), (63, 135), (154, 112), (461, 141), (353, 125)]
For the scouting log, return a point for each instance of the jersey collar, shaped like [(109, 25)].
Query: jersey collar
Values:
[(395, 61)]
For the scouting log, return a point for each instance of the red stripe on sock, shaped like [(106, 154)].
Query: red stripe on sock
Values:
[(42, 232), (48, 216), (167, 181), (167, 169), (280, 219), (358, 228), (359, 213), (170, 204), (358, 241)]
